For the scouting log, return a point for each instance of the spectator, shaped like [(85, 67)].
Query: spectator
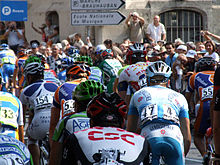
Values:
[(50, 33), (190, 46), (178, 42), (135, 26), (41, 31), (2, 32), (14, 36), (200, 46), (156, 31), (76, 40), (210, 48), (181, 49)]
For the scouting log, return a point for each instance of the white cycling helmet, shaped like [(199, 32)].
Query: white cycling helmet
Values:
[(100, 48), (158, 68)]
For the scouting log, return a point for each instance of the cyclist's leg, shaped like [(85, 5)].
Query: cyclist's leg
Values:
[(201, 125), (34, 150)]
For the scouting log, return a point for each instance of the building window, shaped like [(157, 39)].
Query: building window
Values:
[(53, 16), (184, 24)]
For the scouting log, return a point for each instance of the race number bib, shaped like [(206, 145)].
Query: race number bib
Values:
[(68, 107), (8, 116), (149, 113), (43, 101), (207, 93), (170, 114)]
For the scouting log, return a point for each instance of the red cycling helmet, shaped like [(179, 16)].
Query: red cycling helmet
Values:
[(107, 53), (107, 109), (136, 53)]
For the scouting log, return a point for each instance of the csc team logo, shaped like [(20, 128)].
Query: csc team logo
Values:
[(6, 10)]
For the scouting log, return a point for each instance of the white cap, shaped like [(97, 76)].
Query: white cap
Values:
[(157, 47), (191, 53), (182, 47)]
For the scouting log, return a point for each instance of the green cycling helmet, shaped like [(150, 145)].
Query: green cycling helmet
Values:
[(85, 59), (32, 59), (87, 90)]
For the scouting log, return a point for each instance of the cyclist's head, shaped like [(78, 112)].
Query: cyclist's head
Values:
[(4, 47), (66, 62), (158, 72), (99, 49), (73, 52), (21, 51), (107, 110), (107, 54), (85, 59), (136, 53), (205, 63), (33, 69), (77, 70), (84, 92)]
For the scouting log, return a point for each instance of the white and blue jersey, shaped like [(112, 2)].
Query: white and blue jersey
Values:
[(159, 110), (13, 151), (96, 74), (158, 104)]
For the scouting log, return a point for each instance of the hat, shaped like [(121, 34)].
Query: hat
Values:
[(135, 14), (34, 44), (157, 47), (201, 51), (152, 54), (191, 53), (64, 43), (182, 47), (191, 44), (178, 40), (59, 45)]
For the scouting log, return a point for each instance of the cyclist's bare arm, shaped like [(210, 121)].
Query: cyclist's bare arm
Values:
[(21, 133), (56, 153), (55, 116), (132, 123), (185, 129)]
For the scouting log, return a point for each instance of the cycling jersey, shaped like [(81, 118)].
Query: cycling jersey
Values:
[(104, 144), (63, 97), (110, 68), (96, 74), (19, 66), (131, 76), (11, 114), (70, 124), (202, 83), (163, 107), (50, 75), (39, 97), (8, 59), (13, 151)]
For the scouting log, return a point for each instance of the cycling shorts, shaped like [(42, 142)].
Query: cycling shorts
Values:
[(7, 70), (203, 121), (165, 140)]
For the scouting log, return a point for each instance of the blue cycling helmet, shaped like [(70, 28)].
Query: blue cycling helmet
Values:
[(66, 62), (73, 52), (4, 46), (158, 69)]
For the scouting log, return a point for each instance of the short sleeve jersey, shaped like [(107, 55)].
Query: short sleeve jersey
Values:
[(157, 104), (11, 111)]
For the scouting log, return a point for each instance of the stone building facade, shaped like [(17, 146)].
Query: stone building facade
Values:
[(182, 18)]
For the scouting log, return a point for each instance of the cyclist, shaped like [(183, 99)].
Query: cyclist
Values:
[(65, 63), (8, 59), (202, 83), (105, 142), (18, 78), (96, 57), (37, 98), (163, 115), (83, 93), (110, 67), (11, 115), (13, 151), (133, 74), (63, 104)]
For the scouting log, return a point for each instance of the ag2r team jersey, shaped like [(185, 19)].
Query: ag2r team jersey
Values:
[(13, 151), (106, 144), (70, 124), (157, 104)]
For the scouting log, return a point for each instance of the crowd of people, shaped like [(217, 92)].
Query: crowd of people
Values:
[(112, 103)]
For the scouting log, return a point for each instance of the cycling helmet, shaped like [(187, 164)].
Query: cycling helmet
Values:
[(4, 46), (107, 109), (100, 48), (135, 52), (73, 52), (74, 70), (107, 53), (67, 61), (87, 90), (158, 68), (33, 66), (85, 59), (205, 63)]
